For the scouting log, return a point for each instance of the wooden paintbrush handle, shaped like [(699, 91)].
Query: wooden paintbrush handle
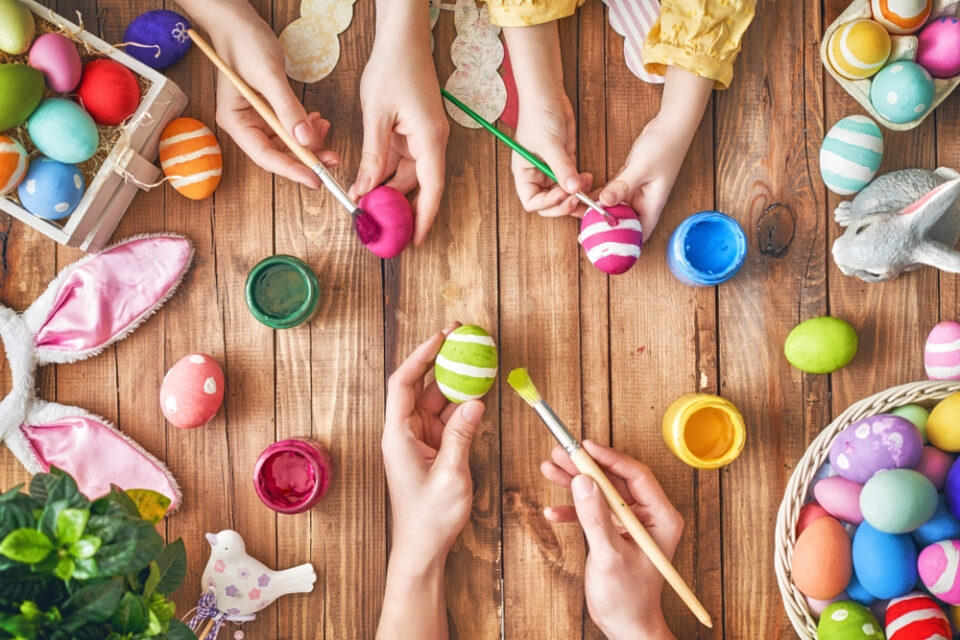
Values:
[(588, 467)]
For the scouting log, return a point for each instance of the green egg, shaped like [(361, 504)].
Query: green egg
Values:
[(17, 27), (467, 364), (898, 500), (821, 345), (915, 414), (21, 88), (848, 621)]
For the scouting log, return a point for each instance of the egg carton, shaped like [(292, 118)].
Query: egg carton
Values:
[(129, 166), (860, 89)]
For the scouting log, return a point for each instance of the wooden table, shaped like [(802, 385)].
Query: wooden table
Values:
[(609, 353)]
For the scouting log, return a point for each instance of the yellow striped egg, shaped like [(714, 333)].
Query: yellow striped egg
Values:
[(859, 49), (191, 158), (13, 164)]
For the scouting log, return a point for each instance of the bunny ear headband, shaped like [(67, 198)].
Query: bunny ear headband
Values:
[(90, 305)]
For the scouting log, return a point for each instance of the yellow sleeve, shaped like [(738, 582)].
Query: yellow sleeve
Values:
[(701, 36), (525, 13)]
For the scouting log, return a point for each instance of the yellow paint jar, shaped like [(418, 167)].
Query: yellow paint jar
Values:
[(704, 430)]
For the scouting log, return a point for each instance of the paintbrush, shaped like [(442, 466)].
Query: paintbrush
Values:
[(520, 380), (613, 221), (366, 227)]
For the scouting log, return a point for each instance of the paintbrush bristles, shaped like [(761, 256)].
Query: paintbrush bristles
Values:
[(366, 227), (520, 380)]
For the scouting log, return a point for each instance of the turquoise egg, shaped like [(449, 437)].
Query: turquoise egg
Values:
[(902, 91), (62, 130), (17, 27), (850, 155), (898, 500), (885, 564), (51, 189), (847, 620)]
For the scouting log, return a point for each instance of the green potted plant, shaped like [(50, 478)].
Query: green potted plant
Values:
[(72, 569)]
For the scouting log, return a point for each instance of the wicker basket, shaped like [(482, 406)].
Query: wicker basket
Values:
[(926, 393)]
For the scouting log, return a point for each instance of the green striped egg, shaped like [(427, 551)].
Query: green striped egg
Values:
[(467, 364), (851, 154)]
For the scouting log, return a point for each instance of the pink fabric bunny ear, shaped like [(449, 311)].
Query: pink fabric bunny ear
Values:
[(102, 298)]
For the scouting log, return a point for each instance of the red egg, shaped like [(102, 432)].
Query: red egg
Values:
[(808, 513), (108, 91), (192, 391)]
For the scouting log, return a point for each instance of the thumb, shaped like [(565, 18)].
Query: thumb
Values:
[(290, 111), (563, 168), (623, 185), (594, 516), (376, 151), (458, 434)]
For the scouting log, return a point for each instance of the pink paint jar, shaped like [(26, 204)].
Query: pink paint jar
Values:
[(292, 475)]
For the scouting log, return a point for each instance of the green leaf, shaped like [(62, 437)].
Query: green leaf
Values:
[(48, 519), (125, 501), (95, 602), (18, 627), (162, 608), (136, 545), (57, 485), (65, 568), (86, 568), (30, 610), (85, 547), (155, 627), (150, 505), (153, 579), (9, 495), (179, 631), (131, 615), (172, 563), (70, 525), (105, 527), (26, 545)]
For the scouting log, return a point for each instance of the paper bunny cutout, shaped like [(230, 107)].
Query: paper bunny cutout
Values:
[(633, 20), (477, 53), (90, 305), (311, 42)]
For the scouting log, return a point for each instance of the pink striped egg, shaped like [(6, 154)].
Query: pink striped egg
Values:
[(916, 616), (613, 250), (939, 569), (941, 356)]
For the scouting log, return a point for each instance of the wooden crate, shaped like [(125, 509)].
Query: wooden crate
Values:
[(108, 195)]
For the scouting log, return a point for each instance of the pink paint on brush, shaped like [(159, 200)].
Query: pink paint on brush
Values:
[(292, 475), (390, 209), (613, 250)]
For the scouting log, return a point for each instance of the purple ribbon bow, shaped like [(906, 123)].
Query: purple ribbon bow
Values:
[(206, 609)]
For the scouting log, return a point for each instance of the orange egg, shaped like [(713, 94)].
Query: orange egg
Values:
[(13, 164), (822, 563), (191, 158)]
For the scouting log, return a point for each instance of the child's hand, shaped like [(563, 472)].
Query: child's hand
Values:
[(622, 586), (426, 450)]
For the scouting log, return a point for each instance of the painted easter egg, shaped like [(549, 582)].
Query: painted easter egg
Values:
[(874, 444), (17, 28), (467, 364), (938, 569), (953, 612), (190, 157), (941, 526), (916, 616), (54, 55), (935, 465), (941, 354), (943, 425), (613, 250), (821, 564), (391, 211), (163, 36), (192, 391), (51, 189), (898, 500), (859, 49), (821, 345), (848, 621), (840, 498), (951, 490), (857, 593), (817, 607), (901, 16), (13, 164), (62, 130), (902, 91), (108, 91), (810, 512), (851, 154), (915, 414), (885, 563), (21, 89), (938, 48)]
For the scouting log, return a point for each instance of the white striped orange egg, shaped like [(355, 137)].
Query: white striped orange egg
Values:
[(13, 164), (191, 158), (901, 16)]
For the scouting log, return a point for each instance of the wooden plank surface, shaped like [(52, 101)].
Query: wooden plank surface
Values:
[(610, 354)]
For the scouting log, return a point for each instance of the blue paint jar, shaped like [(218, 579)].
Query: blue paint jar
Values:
[(706, 249)]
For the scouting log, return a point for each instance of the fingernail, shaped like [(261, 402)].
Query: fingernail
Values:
[(303, 132), (364, 183), (573, 200), (472, 411), (572, 184), (582, 487)]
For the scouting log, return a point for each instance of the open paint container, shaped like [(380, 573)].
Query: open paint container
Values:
[(291, 476), (704, 431), (706, 249), (282, 292)]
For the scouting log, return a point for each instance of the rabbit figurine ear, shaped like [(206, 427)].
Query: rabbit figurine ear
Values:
[(102, 298), (927, 211)]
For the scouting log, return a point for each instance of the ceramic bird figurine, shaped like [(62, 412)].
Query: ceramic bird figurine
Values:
[(900, 222)]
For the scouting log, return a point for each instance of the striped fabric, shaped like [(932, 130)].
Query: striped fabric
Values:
[(633, 19)]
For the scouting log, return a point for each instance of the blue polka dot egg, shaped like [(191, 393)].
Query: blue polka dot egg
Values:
[(902, 92), (850, 155), (51, 189)]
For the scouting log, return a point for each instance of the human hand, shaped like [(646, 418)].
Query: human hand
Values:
[(622, 586)]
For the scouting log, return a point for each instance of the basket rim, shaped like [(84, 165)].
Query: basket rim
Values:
[(794, 496)]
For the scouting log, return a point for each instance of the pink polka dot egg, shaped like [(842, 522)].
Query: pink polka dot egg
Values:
[(941, 355), (192, 391), (937, 566), (612, 249)]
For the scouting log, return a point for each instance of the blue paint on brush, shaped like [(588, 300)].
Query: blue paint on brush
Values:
[(706, 249)]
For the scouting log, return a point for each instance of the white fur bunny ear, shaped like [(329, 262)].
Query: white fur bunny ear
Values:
[(633, 19), (102, 298)]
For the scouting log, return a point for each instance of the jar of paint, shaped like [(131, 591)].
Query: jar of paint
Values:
[(292, 475), (282, 292), (706, 249), (704, 430)]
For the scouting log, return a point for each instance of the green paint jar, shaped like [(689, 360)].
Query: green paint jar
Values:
[(282, 292)]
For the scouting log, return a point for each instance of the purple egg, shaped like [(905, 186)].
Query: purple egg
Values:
[(952, 489), (874, 444), (162, 35)]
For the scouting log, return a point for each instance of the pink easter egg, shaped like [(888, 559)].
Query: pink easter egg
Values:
[(817, 607), (613, 250), (938, 49), (390, 209), (808, 513), (941, 355), (56, 57), (841, 498), (939, 569), (935, 465), (192, 391)]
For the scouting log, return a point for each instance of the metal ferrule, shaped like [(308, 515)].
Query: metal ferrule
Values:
[(557, 428), (334, 187), (587, 200)]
